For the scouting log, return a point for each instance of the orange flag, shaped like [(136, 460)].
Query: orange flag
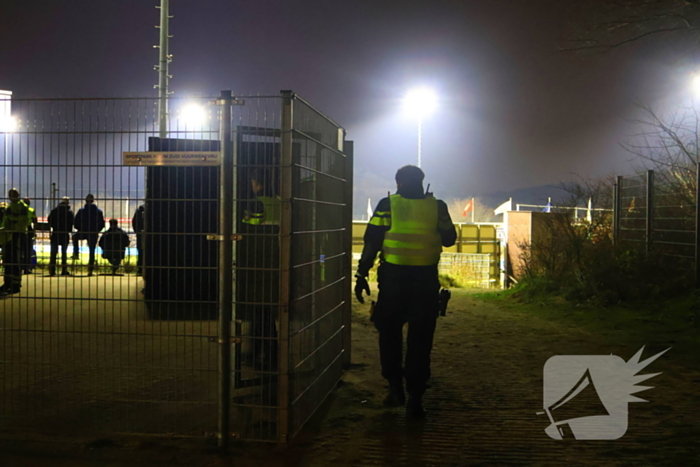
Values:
[(468, 207)]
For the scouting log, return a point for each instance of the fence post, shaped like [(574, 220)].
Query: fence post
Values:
[(226, 209), (650, 210), (617, 190), (697, 225), (348, 150), (287, 192)]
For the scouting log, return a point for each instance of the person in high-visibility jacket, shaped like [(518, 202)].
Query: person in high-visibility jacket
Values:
[(257, 283), (13, 236), (408, 229)]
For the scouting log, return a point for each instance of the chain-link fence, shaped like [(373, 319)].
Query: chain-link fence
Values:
[(145, 338)]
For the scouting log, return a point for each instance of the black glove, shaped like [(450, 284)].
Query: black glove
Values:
[(361, 285)]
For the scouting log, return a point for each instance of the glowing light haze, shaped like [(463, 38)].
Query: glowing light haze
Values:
[(420, 103)]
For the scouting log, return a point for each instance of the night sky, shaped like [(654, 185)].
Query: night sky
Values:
[(514, 112)]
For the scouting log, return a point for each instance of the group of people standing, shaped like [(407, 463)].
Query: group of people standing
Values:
[(17, 228)]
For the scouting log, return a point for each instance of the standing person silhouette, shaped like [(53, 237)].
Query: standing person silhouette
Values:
[(13, 231), (89, 222), (61, 224), (137, 223), (409, 228)]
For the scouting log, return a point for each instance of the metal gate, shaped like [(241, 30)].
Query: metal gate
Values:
[(228, 313)]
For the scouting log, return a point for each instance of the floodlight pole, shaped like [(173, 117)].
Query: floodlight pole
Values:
[(162, 68), (420, 135)]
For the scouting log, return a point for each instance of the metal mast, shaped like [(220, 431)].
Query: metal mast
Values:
[(162, 67)]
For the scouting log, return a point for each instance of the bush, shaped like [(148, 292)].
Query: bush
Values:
[(580, 263)]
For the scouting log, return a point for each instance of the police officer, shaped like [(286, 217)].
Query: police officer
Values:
[(408, 229), (258, 267), (14, 239)]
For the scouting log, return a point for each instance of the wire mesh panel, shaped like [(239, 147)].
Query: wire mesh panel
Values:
[(633, 209), (673, 218), (255, 394), (93, 341), (668, 225), (132, 326), (471, 269), (319, 267)]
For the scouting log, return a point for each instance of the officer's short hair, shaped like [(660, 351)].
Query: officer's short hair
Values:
[(90, 198), (113, 222), (410, 175), (13, 192)]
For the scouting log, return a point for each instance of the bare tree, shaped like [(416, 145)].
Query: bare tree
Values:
[(615, 23), (598, 190), (669, 145), (482, 212)]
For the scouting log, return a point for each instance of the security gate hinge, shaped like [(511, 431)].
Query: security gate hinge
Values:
[(233, 101), (232, 340), (217, 237)]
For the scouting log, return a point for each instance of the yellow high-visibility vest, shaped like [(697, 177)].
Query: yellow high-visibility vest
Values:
[(413, 239), (272, 211)]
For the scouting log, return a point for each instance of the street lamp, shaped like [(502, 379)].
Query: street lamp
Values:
[(419, 104)]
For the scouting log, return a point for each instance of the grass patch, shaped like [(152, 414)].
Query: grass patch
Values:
[(673, 322)]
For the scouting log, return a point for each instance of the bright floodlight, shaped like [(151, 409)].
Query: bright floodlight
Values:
[(8, 124), (420, 102), (695, 84), (193, 115)]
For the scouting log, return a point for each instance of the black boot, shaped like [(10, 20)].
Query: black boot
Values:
[(396, 396), (414, 408)]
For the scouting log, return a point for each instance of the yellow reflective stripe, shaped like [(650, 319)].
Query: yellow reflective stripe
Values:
[(380, 221), (405, 237), (382, 213), (414, 252)]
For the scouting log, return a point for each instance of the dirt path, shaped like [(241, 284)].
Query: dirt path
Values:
[(486, 389)]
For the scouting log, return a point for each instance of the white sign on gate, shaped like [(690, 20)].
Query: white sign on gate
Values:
[(172, 158)]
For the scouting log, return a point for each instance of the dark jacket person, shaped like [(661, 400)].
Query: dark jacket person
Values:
[(113, 243), (89, 222), (61, 224), (408, 229)]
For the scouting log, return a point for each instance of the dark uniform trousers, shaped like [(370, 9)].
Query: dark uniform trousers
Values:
[(407, 294), (13, 259), (59, 239)]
